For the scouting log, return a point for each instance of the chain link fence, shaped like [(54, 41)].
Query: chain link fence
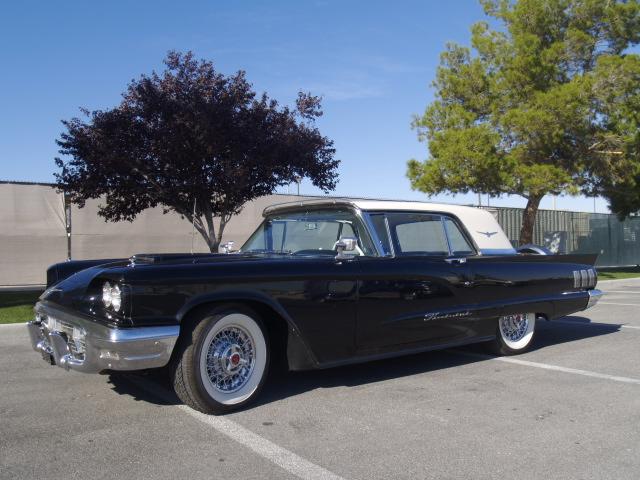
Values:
[(616, 243)]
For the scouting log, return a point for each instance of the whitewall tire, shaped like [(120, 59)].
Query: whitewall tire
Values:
[(223, 362), (514, 333)]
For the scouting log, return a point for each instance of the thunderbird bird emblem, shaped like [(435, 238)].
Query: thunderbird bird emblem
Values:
[(488, 234)]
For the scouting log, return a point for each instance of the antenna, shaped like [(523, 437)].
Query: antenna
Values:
[(193, 224)]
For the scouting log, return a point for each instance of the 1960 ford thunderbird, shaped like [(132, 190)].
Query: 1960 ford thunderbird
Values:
[(323, 282)]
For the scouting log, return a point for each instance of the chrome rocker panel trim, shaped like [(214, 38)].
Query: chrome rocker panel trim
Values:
[(105, 348)]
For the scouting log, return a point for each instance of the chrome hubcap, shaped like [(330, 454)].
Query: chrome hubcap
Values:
[(514, 327), (230, 359)]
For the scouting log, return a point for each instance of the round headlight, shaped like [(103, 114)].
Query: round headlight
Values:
[(116, 297), (106, 294)]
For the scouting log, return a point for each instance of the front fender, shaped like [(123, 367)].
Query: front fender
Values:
[(299, 355)]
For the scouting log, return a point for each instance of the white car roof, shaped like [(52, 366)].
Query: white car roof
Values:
[(480, 223)]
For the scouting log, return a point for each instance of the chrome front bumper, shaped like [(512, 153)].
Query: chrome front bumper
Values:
[(77, 343), (594, 296)]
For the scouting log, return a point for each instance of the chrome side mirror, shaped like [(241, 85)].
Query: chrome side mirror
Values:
[(227, 247), (346, 244)]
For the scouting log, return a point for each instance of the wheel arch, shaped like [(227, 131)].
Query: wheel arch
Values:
[(284, 336)]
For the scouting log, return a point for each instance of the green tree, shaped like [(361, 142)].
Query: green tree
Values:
[(544, 102)]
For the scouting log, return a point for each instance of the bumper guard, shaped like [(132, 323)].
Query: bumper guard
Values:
[(594, 296), (76, 343)]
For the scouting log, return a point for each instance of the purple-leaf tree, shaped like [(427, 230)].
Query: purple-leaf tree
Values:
[(193, 141)]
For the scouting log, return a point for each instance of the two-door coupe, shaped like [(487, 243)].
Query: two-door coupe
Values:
[(324, 282)]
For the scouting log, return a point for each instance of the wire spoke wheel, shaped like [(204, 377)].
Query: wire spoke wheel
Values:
[(230, 359), (516, 332), (514, 327)]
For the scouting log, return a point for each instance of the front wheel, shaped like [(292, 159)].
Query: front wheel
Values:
[(514, 334), (222, 362)]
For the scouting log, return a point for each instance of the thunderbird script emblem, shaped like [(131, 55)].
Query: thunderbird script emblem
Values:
[(488, 234)]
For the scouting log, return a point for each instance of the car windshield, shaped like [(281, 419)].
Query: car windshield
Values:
[(308, 233)]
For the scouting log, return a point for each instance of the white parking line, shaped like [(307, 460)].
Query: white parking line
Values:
[(623, 304), (546, 366), (282, 457), (636, 292), (595, 324), (268, 450)]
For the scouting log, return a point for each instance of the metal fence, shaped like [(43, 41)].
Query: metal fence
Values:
[(617, 243)]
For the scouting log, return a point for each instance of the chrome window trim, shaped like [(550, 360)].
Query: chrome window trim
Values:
[(374, 233), (357, 213), (441, 215), (446, 235), (368, 227), (388, 230)]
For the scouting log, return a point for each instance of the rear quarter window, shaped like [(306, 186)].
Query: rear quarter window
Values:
[(459, 243)]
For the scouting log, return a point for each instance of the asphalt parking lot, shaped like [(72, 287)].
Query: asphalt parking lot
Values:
[(570, 408)]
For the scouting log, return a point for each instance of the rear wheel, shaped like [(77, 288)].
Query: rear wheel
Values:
[(222, 362), (514, 333)]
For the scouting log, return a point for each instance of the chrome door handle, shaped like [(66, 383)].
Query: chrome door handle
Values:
[(456, 261)]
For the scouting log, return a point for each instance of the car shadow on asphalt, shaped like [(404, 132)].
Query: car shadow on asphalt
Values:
[(570, 329), (283, 384)]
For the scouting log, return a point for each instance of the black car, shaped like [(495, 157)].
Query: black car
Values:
[(324, 282)]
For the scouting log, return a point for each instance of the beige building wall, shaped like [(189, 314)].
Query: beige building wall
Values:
[(155, 232), (32, 232)]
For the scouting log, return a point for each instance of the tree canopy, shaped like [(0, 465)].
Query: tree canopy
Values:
[(193, 141), (544, 102)]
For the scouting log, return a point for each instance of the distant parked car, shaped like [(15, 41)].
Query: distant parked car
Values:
[(323, 282)]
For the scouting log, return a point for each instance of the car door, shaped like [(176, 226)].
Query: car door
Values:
[(316, 287), (415, 295)]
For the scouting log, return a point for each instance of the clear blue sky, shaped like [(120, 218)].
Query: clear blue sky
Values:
[(372, 61)]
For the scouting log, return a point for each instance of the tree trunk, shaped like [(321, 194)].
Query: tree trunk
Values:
[(529, 219), (206, 228), (213, 245)]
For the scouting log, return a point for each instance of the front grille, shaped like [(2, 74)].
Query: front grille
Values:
[(74, 335), (585, 278)]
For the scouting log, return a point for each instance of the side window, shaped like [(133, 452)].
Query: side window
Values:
[(314, 234), (459, 244), (418, 234), (347, 230), (277, 235), (380, 226)]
